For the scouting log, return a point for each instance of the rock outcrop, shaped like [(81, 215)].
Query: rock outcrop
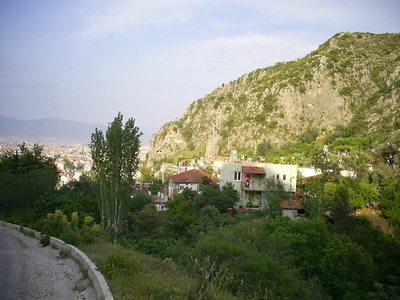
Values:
[(353, 80)]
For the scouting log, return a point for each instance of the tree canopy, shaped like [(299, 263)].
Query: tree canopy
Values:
[(25, 176), (115, 157)]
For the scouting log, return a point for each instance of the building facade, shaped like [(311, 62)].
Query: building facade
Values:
[(190, 179), (252, 180)]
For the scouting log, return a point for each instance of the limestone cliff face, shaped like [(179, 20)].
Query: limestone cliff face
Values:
[(352, 79)]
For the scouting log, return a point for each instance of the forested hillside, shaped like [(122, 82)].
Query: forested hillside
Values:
[(348, 87)]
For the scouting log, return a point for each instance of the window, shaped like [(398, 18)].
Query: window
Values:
[(237, 176), (284, 177), (277, 176)]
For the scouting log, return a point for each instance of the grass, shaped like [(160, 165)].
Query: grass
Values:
[(64, 254), (132, 275)]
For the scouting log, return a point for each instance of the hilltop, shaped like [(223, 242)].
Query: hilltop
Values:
[(348, 87)]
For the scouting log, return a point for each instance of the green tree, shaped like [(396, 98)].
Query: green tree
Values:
[(329, 168), (338, 198), (115, 160), (146, 223), (209, 218), (266, 149), (69, 165), (361, 193), (273, 195), (156, 186), (309, 136), (344, 269), (212, 195), (147, 175), (315, 205), (139, 201), (390, 204), (25, 176), (181, 213)]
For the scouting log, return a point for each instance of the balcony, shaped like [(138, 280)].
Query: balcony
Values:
[(254, 186)]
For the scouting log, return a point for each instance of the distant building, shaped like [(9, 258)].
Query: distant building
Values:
[(292, 208), (190, 179)]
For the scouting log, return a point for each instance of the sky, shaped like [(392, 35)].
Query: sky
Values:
[(87, 60)]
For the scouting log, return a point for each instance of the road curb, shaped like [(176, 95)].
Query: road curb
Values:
[(99, 283)]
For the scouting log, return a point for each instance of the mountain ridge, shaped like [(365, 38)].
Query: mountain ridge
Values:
[(47, 130), (352, 80)]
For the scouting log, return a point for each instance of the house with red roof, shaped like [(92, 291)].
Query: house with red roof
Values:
[(251, 180), (292, 208), (190, 179)]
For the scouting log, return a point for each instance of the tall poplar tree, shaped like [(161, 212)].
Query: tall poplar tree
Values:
[(115, 160)]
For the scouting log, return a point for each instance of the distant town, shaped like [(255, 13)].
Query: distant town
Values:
[(248, 177), (71, 160)]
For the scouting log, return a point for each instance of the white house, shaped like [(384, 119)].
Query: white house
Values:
[(251, 179)]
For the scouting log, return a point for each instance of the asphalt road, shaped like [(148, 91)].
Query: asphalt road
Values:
[(30, 271), (13, 280)]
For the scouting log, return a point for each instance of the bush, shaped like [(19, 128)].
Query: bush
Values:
[(309, 136), (119, 263), (73, 233), (45, 240), (156, 247)]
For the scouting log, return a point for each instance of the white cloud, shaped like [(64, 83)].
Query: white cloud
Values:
[(246, 52), (131, 13)]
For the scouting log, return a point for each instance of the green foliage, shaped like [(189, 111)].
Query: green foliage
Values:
[(45, 240), (209, 218), (212, 195), (118, 264), (273, 195), (139, 201), (273, 124), (328, 166), (309, 136), (57, 225), (259, 118), (147, 277), (242, 97), (147, 174), (276, 258), (362, 193), (391, 205), (344, 268), (269, 103), (115, 160), (191, 214), (230, 121), (68, 165), (346, 91), (180, 213), (25, 176), (265, 148), (315, 204), (144, 223), (76, 196), (156, 246)]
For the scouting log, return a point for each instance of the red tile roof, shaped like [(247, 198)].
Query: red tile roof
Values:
[(191, 176), (253, 170), (291, 204), (318, 176)]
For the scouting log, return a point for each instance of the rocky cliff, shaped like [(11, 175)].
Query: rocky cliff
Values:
[(352, 80)]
